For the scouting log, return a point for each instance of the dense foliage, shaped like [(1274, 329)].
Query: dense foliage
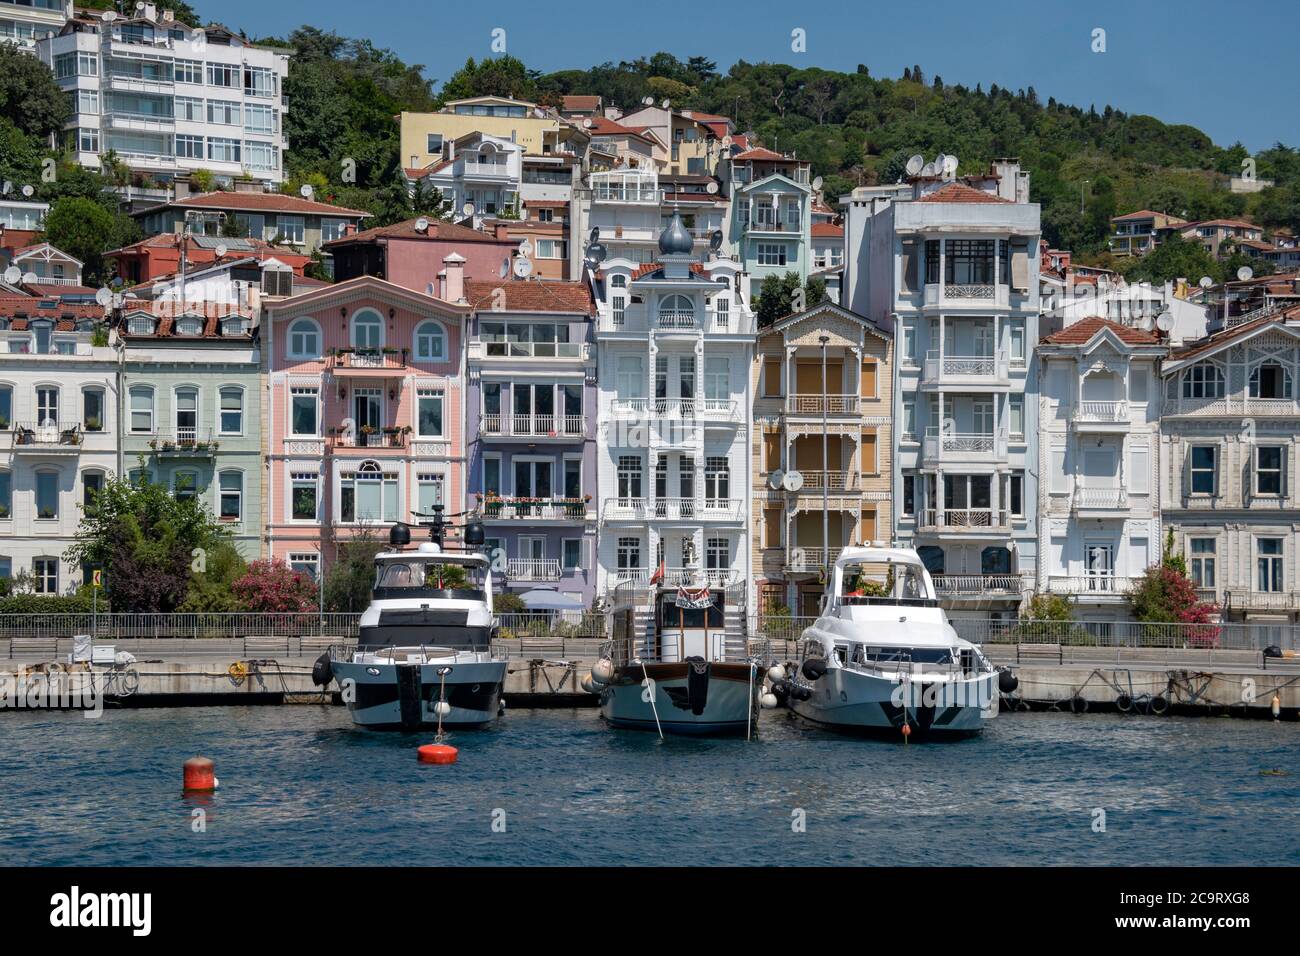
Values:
[(273, 586)]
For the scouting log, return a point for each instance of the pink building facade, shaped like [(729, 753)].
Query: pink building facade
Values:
[(365, 414)]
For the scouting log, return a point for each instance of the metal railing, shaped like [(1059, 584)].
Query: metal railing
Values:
[(811, 559), (964, 518), (379, 438), (46, 433), (534, 426), (533, 569), (939, 365), (973, 585), (679, 577), (1104, 412), (805, 404), (552, 509), (1100, 499), (230, 626), (1091, 584)]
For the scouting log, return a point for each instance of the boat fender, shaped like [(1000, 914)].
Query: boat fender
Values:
[(775, 673), (781, 691), (814, 668), (1007, 682), (1078, 705), (800, 693), (697, 684), (769, 701), (1273, 650), (1159, 705), (603, 671), (322, 672), (1124, 703)]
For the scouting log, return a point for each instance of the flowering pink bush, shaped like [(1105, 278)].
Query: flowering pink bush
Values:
[(270, 586), (1164, 595)]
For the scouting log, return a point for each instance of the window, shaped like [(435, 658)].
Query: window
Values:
[(6, 406), (1270, 471), (304, 401), (304, 494), (1269, 570), (277, 282), (47, 495), (1203, 381), (629, 554), (1202, 561), (92, 482), (571, 554), (368, 494), (141, 325), (367, 330), (717, 378), (6, 569), (717, 481), (969, 262), (223, 113), (189, 325), (629, 477), (429, 412), (1016, 415), (771, 254), (259, 81), (45, 574), (1270, 380), (630, 380), (618, 308), (259, 119), (222, 150), (261, 156), (231, 504), (188, 71), (722, 312), (47, 405), (1204, 473), (306, 562), (717, 554), (331, 229), (1013, 494), (189, 147), (232, 410), (85, 101), (185, 485), (676, 310), (187, 414), (141, 409), (292, 228), (550, 249), (433, 143), (430, 342), (223, 74), (304, 340), (6, 494), (1016, 331), (430, 490), (92, 409)]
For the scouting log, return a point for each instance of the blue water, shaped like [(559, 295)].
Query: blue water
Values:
[(299, 785)]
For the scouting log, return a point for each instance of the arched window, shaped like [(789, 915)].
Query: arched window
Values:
[(185, 484), (189, 325), (618, 282), (141, 324), (1203, 381), (304, 339), (1270, 380), (931, 557), (430, 342), (367, 330), (675, 310), (92, 482), (42, 332)]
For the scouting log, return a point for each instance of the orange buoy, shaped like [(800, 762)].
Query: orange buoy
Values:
[(200, 774), (437, 753), (907, 731)]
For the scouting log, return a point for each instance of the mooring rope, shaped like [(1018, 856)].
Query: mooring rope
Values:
[(650, 690)]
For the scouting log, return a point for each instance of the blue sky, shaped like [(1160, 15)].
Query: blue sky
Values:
[(1185, 62)]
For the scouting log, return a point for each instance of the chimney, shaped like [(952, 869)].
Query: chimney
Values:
[(453, 278), (181, 188), (501, 230)]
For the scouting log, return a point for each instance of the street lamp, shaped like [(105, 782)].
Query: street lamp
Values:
[(826, 494)]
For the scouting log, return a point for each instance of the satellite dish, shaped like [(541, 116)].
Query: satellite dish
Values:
[(1245, 273), (108, 16), (119, 300), (7, 188), (587, 124), (949, 164), (1205, 282), (1146, 323), (1164, 322), (594, 235), (139, 5), (429, 290), (666, 103), (941, 162), (776, 480), (726, 142), (221, 250), (927, 170), (525, 246), (711, 188), (817, 184), (793, 480), (13, 275), (421, 225), (31, 278), (715, 240), (467, 210), (914, 165), (505, 268), (28, 190), (596, 252), (648, 101), (523, 268)]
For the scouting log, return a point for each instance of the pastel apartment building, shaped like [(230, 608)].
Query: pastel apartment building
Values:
[(412, 253), (531, 431), (364, 413), (1137, 233), (23, 23), (631, 208), (537, 130), (58, 433), (822, 446), (771, 214), (168, 99)]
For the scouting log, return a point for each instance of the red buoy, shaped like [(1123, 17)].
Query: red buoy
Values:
[(907, 731), (200, 774), (437, 753)]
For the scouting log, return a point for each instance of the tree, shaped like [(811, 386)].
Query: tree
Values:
[(1174, 258), (1165, 595), (85, 229), (148, 542), (211, 588), (30, 97), (274, 587), (777, 297), (351, 576), (503, 76)]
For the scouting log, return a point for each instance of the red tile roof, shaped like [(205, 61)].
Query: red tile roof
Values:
[(1218, 339), (213, 313), (263, 202), (1081, 333), (530, 296), (580, 103), (763, 154), (1144, 214), (438, 230), (65, 315), (1230, 223), (828, 229), (646, 268), (961, 193), (54, 290)]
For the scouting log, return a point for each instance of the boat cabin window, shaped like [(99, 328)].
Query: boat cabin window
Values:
[(876, 583), (423, 575), (917, 655), (687, 611)]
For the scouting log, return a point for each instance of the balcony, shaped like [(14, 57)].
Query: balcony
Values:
[(562, 427), (369, 363), (679, 577), (764, 227), (963, 447), (835, 482), (974, 295), (375, 438), (484, 349), (472, 170), (145, 122), (46, 438), (1101, 500), (534, 509), (804, 404), (1092, 416), (636, 190), (1239, 600), (672, 509), (706, 410), (183, 443), (991, 369), (533, 569), (810, 560), (1092, 587), (966, 521), (671, 319), (976, 586)]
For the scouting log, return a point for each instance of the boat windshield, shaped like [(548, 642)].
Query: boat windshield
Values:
[(395, 580), (878, 583), (917, 655)]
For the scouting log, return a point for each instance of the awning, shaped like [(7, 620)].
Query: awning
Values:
[(548, 599)]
